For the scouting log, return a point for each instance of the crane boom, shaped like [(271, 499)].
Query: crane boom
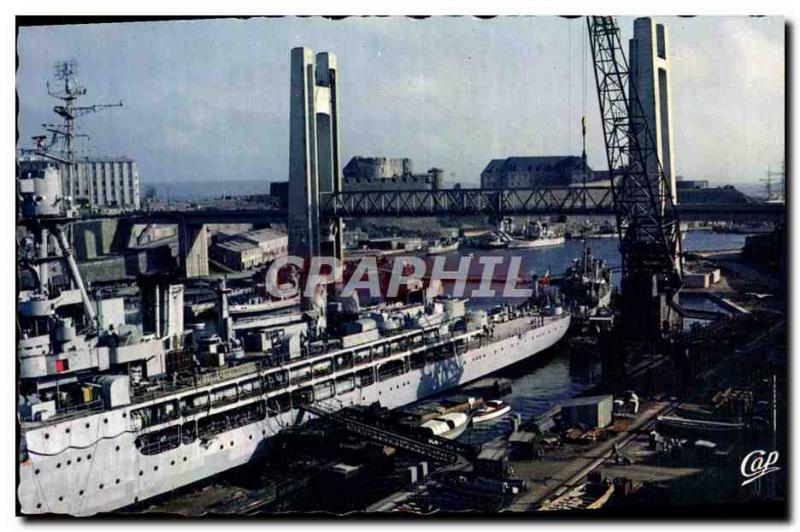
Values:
[(647, 219)]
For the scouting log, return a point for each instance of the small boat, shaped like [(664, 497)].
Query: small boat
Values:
[(492, 410), (444, 246), (586, 496), (536, 235), (450, 425)]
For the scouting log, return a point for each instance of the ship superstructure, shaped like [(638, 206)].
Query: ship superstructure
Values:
[(150, 435), (112, 413), (587, 282)]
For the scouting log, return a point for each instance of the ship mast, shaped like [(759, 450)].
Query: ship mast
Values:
[(62, 146), (47, 216)]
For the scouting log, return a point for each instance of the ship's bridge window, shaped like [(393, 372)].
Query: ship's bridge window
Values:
[(159, 441), (223, 395), (250, 387), (362, 356), (365, 377), (194, 403), (279, 403), (391, 369), (343, 361), (157, 414), (322, 368), (276, 380), (302, 396), (300, 374), (417, 360), (189, 432), (210, 426), (323, 390), (461, 346), (345, 383)]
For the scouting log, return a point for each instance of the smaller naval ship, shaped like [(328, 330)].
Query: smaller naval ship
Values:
[(536, 235), (587, 282)]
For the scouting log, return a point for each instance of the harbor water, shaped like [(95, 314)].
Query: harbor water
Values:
[(544, 381)]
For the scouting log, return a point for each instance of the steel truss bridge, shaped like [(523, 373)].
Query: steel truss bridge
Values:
[(569, 201), (553, 201)]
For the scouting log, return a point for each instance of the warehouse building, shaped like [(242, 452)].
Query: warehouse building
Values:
[(533, 172), (249, 249)]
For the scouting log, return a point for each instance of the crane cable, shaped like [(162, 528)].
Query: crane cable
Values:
[(569, 83)]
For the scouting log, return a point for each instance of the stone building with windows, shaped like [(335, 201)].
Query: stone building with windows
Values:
[(533, 172), (383, 174)]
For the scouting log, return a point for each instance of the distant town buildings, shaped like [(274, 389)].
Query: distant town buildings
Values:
[(691, 184), (249, 249), (388, 174), (532, 172), (95, 182)]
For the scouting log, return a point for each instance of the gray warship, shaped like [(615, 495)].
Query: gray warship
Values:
[(111, 414)]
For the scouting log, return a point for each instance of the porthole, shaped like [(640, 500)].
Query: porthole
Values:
[(251, 436), (155, 468), (184, 458), (172, 462), (141, 473), (67, 431), (60, 498), (36, 472), (80, 492), (116, 481), (101, 486), (221, 447), (88, 456), (58, 465), (87, 425), (105, 420), (117, 448), (46, 436), (78, 459), (231, 444), (263, 432), (124, 414), (69, 462), (38, 505)]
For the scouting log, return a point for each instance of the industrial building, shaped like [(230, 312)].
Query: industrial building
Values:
[(532, 172), (388, 174), (249, 249), (95, 182)]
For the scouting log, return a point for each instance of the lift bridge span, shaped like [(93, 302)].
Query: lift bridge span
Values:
[(544, 201), (569, 201)]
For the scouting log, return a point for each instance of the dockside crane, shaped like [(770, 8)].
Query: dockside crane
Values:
[(647, 218)]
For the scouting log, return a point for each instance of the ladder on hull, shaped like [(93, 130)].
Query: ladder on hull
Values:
[(419, 442)]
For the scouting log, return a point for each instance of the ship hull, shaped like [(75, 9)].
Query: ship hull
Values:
[(539, 243), (95, 467)]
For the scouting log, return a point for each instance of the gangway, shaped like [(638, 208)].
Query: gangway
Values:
[(419, 442), (698, 314)]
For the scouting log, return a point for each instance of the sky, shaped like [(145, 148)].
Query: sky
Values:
[(208, 100)]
